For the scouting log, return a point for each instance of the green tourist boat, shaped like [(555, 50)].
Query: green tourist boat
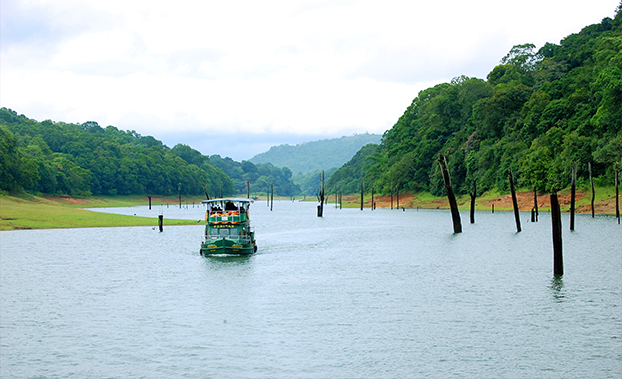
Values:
[(228, 228)]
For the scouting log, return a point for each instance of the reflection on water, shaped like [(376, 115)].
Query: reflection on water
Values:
[(355, 293), (217, 260), (557, 287)]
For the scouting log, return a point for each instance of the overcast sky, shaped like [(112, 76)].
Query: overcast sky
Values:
[(236, 77)]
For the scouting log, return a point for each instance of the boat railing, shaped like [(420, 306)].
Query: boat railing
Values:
[(240, 238), (227, 217)]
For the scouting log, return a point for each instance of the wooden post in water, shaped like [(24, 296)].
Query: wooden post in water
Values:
[(617, 170), (535, 202), (372, 198), (361, 193), (271, 196), (149, 201), (556, 220), (573, 192), (453, 205), (161, 222), (473, 196), (514, 203), (320, 207), (179, 191), (589, 169), (248, 189)]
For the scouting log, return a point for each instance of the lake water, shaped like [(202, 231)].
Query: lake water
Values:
[(382, 294)]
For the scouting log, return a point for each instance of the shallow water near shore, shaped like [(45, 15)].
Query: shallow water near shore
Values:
[(353, 294)]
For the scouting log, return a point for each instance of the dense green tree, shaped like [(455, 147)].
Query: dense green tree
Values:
[(82, 159), (190, 155), (523, 58), (260, 176), (10, 161), (310, 183), (537, 113), (348, 178)]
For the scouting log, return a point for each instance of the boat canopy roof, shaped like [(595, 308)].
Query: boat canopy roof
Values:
[(225, 199)]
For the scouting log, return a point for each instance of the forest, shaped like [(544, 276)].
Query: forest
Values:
[(537, 113), (58, 158), (315, 156), (308, 160)]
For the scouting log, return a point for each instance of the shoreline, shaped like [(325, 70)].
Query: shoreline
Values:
[(604, 202), (57, 212), (61, 212)]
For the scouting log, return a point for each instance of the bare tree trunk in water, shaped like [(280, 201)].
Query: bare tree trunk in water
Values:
[(573, 192), (556, 220), (589, 169), (453, 205), (473, 196), (515, 203)]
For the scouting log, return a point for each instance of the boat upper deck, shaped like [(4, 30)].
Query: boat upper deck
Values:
[(227, 210)]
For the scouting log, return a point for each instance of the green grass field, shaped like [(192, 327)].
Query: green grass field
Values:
[(31, 212)]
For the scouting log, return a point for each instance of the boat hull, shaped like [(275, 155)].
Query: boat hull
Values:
[(228, 228), (227, 246)]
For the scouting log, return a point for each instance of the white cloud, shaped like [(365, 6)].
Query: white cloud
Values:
[(280, 67)]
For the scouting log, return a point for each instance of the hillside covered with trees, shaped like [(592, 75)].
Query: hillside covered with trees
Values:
[(537, 113), (260, 176), (308, 160), (58, 158), (312, 156)]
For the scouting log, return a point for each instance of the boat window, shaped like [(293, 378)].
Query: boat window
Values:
[(234, 232), (224, 232)]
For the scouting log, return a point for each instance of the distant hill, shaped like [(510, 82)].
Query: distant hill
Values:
[(317, 155)]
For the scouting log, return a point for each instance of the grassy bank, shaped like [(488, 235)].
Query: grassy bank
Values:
[(32, 212), (604, 202)]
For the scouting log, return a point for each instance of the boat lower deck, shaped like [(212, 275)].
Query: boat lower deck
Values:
[(227, 246)]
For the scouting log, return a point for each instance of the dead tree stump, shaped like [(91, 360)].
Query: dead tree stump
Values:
[(362, 196), (320, 197), (573, 192), (589, 169), (556, 221), (535, 203), (453, 205), (515, 203), (473, 196)]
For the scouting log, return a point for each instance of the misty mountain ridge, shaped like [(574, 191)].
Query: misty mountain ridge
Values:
[(316, 155)]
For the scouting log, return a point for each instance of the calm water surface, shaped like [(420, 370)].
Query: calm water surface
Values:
[(354, 294)]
